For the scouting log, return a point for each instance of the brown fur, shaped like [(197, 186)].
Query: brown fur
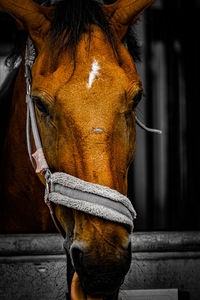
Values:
[(70, 144)]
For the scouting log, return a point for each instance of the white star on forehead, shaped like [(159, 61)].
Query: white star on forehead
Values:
[(93, 73)]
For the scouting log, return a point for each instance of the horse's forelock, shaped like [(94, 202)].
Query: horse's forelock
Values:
[(72, 18)]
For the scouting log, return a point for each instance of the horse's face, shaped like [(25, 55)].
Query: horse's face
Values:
[(87, 128), (86, 121)]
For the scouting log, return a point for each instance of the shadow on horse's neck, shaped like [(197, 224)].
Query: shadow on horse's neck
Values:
[(22, 191)]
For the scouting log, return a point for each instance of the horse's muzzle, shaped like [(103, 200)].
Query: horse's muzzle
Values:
[(100, 278)]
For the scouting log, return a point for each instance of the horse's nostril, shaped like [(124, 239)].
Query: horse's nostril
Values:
[(77, 256)]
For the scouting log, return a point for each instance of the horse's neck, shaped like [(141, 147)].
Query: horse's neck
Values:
[(15, 153), (23, 207)]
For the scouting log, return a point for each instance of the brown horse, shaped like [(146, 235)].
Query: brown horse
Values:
[(85, 87)]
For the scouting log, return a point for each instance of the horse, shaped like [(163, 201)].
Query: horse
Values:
[(85, 89)]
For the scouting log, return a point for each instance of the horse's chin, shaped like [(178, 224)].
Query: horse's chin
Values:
[(77, 292)]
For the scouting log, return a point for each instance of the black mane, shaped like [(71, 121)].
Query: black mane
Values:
[(73, 18)]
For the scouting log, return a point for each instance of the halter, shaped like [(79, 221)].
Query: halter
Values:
[(67, 190)]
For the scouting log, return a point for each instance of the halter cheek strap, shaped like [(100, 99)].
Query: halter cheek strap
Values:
[(31, 123)]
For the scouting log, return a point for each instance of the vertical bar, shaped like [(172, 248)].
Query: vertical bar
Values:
[(159, 116), (139, 166)]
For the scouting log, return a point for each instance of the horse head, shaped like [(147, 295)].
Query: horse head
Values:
[(86, 88)]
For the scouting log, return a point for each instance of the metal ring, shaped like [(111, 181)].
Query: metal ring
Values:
[(28, 89), (47, 175)]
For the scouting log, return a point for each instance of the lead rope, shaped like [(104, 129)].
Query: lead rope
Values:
[(147, 128)]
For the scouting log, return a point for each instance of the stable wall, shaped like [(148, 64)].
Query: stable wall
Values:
[(34, 266)]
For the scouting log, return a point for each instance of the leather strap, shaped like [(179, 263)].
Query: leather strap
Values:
[(31, 123)]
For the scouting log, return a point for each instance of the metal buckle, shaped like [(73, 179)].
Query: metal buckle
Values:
[(28, 89)]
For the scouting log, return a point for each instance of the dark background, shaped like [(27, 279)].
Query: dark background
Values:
[(171, 178), (164, 179)]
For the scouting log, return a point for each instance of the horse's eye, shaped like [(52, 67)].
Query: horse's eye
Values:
[(41, 106), (137, 99)]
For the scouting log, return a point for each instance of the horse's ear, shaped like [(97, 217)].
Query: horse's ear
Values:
[(29, 15), (124, 13)]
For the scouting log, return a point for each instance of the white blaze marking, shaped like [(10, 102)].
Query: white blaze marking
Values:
[(93, 73)]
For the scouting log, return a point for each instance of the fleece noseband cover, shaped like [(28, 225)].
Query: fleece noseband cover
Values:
[(90, 198)]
